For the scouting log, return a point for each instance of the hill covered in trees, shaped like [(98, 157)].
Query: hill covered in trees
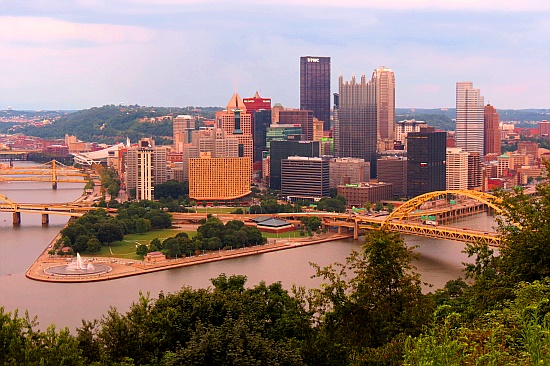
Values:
[(110, 123)]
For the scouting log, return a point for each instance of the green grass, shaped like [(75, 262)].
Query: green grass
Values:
[(127, 247), (291, 234)]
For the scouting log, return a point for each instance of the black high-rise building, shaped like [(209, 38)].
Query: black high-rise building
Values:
[(279, 150), (426, 156), (315, 87), (262, 121)]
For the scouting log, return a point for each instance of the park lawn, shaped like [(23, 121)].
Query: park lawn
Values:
[(289, 234), (127, 247)]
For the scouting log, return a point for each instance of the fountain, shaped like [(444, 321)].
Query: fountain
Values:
[(78, 267)]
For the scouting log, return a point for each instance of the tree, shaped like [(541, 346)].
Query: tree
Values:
[(525, 230), (81, 244), (142, 225), (142, 250), (93, 245), (109, 232), (378, 206), (372, 299)]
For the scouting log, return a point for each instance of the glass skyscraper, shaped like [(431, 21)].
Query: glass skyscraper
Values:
[(469, 118), (315, 87), (355, 121)]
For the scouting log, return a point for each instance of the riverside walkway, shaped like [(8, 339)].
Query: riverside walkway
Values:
[(125, 268)]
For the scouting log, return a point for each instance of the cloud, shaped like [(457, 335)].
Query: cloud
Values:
[(36, 31), (395, 5)]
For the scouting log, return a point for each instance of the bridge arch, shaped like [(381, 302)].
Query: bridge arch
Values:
[(403, 211)]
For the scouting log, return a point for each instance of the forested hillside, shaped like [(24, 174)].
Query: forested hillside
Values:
[(110, 123)]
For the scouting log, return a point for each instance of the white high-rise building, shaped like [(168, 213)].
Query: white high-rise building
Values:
[(457, 168), (145, 167), (469, 118)]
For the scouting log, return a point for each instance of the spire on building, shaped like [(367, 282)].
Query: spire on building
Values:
[(236, 102)]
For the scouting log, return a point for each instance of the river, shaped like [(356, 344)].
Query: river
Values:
[(66, 304)]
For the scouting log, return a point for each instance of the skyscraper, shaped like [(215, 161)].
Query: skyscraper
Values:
[(260, 108), (355, 121), (384, 86), (145, 167), (237, 122), (315, 87), (492, 130), (469, 118), (457, 168), (426, 156)]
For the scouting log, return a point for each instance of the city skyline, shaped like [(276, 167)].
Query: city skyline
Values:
[(82, 54)]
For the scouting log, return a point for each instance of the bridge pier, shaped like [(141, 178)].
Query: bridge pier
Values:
[(54, 185), (16, 218), (355, 230), (45, 219)]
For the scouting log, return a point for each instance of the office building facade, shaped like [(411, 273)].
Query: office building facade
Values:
[(469, 118), (426, 157), (355, 127), (145, 167), (393, 169), (304, 118), (359, 194), (457, 168), (219, 179), (383, 80), (280, 150), (260, 108), (348, 170), (304, 178), (315, 87), (492, 131)]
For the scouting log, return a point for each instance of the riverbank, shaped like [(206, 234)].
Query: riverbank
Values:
[(121, 268)]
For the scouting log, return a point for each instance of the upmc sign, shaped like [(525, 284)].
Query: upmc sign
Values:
[(312, 59)]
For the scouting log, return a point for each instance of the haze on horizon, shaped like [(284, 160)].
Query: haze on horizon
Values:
[(79, 54)]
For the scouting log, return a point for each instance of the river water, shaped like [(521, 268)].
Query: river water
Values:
[(66, 304)]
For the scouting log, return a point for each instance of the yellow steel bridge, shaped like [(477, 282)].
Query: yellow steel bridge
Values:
[(53, 172), (405, 218)]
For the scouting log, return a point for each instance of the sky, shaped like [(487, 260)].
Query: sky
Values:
[(77, 54)]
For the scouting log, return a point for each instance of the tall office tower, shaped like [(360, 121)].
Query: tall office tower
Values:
[(469, 118), (402, 128), (426, 157), (475, 171), (315, 87), (384, 85), (260, 108), (237, 122), (393, 169), (304, 178), (301, 117), (355, 123), (279, 150), (145, 167), (348, 171), (492, 130), (184, 125), (457, 168), (218, 179)]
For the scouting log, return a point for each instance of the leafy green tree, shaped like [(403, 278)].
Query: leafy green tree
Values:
[(142, 250), (373, 299), (81, 243), (142, 225), (378, 206), (525, 230), (93, 245), (109, 231)]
